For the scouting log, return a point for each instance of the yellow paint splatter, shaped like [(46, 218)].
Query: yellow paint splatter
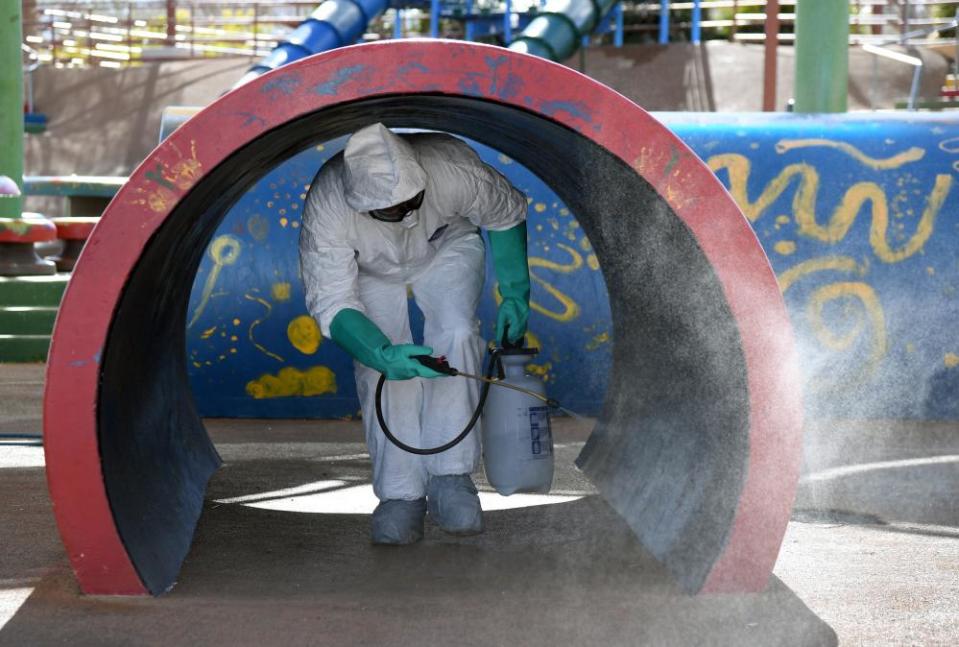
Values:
[(785, 247), (592, 261), (910, 347), (539, 207), (597, 341), (930, 271), (585, 245), (783, 220), (280, 291), (236, 322), (206, 334), (910, 155), (224, 250), (564, 211), (292, 382), (284, 222), (304, 334), (951, 360)]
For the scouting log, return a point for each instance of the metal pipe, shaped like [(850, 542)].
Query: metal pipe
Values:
[(696, 35), (771, 56), (822, 56), (507, 22), (434, 18), (663, 22), (618, 34), (11, 103)]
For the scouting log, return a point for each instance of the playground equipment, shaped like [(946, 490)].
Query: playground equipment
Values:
[(706, 482)]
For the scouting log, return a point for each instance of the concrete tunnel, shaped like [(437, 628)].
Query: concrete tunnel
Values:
[(698, 443)]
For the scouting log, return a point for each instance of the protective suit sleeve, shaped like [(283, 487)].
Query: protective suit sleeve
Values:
[(327, 261), (362, 339), (488, 199), (512, 271)]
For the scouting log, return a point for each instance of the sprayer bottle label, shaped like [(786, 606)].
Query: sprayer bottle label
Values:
[(541, 436)]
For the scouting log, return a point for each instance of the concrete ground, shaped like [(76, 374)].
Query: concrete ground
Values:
[(281, 554)]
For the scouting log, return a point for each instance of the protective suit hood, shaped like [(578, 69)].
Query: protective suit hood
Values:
[(380, 169)]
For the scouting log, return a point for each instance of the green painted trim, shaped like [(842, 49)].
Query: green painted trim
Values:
[(27, 320), (11, 94), (24, 348), (87, 186), (32, 290)]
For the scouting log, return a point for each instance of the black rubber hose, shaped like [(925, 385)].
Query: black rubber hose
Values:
[(453, 443)]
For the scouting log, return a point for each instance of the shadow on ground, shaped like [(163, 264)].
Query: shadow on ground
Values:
[(562, 574)]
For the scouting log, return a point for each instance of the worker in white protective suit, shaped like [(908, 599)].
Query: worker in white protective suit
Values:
[(399, 213)]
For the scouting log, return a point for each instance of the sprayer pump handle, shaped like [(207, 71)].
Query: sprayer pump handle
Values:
[(438, 364), (505, 343)]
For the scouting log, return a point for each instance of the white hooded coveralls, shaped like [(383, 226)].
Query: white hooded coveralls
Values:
[(350, 260)]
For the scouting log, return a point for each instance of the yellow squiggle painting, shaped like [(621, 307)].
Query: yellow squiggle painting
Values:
[(224, 250), (257, 322), (570, 308), (804, 205), (292, 382), (907, 156), (842, 290)]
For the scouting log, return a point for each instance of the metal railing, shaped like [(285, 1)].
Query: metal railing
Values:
[(115, 33)]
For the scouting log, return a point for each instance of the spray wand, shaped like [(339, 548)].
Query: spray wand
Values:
[(440, 365)]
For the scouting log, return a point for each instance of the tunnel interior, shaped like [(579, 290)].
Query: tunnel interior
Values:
[(670, 447)]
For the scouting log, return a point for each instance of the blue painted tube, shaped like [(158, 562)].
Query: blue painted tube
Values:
[(283, 54), (315, 36), (398, 24), (664, 22), (345, 16), (333, 24), (561, 28)]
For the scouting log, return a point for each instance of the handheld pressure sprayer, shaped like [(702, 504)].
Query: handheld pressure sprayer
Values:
[(516, 435)]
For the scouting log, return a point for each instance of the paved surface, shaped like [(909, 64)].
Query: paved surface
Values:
[(281, 554)]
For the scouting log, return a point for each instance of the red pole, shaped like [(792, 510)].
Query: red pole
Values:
[(772, 45), (171, 23)]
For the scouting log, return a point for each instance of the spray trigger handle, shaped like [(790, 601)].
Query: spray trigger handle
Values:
[(438, 364)]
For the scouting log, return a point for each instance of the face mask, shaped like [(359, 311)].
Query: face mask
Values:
[(399, 211)]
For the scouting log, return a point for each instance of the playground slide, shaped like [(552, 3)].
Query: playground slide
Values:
[(554, 34), (557, 31), (335, 23)]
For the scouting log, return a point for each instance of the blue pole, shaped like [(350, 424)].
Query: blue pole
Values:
[(618, 34), (664, 22), (434, 18), (470, 23), (398, 24), (507, 23), (697, 15)]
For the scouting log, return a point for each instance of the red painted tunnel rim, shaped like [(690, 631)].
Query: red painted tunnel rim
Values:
[(417, 67)]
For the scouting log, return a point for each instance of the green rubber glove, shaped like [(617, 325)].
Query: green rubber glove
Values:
[(512, 272), (362, 339)]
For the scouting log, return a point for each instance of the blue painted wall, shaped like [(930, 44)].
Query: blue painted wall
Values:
[(858, 215)]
